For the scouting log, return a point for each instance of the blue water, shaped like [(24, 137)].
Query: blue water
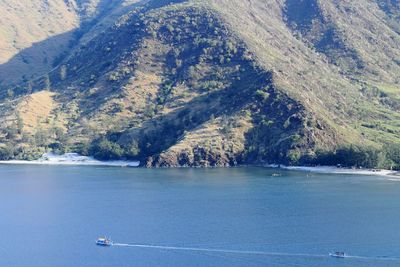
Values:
[(51, 216)]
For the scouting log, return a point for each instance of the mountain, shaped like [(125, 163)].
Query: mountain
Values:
[(211, 83), (37, 34)]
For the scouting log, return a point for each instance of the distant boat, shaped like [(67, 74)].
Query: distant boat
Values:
[(337, 254), (104, 242)]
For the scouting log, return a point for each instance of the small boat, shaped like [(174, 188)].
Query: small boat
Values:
[(337, 254), (104, 242)]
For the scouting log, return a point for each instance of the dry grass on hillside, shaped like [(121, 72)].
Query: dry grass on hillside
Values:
[(35, 110)]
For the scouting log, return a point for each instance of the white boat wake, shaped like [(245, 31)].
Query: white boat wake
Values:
[(218, 250), (373, 258), (250, 252)]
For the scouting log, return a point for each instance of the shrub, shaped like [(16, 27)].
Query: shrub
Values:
[(10, 132), (113, 77), (262, 95), (132, 150), (356, 156), (6, 153), (104, 149)]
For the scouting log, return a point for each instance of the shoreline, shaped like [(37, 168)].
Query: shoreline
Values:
[(337, 170), (74, 159), (71, 159), (99, 164)]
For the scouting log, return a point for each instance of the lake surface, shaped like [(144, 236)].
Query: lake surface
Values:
[(51, 216)]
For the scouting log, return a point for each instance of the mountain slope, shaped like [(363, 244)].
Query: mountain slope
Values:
[(36, 34), (26, 22), (340, 95), (217, 82)]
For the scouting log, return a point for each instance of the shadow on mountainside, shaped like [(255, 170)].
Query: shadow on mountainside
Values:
[(23, 69), (24, 72), (34, 61)]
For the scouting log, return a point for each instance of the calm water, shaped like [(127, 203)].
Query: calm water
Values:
[(51, 216)]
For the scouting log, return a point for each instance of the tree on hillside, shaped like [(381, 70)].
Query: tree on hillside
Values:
[(20, 124), (47, 83), (41, 137), (10, 93), (104, 149), (6, 153), (29, 87), (63, 72)]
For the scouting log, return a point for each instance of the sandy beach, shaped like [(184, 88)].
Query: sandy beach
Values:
[(72, 159), (333, 169)]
